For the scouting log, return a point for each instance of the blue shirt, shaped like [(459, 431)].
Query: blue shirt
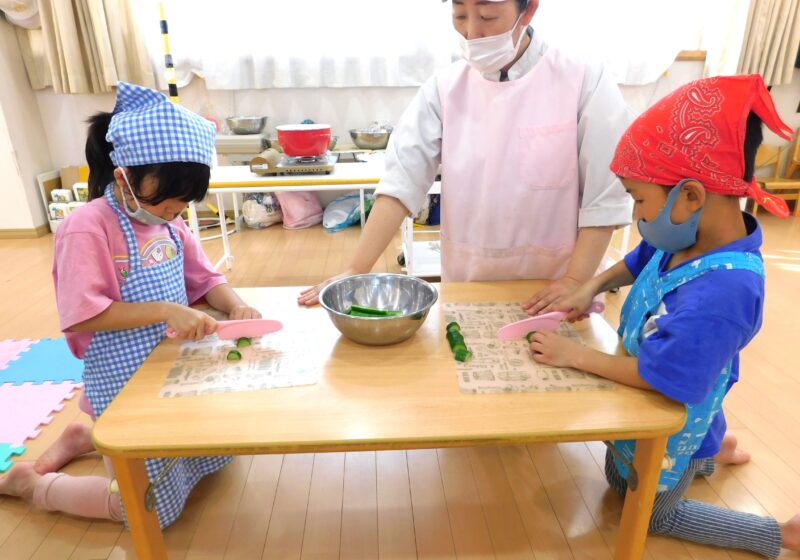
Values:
[(699, 328)]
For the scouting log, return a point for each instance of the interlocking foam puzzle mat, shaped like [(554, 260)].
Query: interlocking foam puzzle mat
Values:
[(6, 451), (48, 359), (36, 376), (25, 407)]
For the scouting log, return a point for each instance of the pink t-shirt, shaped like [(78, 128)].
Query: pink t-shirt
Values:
[(91, 264)]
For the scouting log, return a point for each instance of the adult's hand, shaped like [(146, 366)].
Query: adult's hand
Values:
[(310, 296), (548, 298)]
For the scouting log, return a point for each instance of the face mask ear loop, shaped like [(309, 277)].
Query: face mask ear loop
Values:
[(130, 188)]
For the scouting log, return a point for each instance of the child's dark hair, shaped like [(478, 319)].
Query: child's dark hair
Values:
[(186, 181), (753, 137)]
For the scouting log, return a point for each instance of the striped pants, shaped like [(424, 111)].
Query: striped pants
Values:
[(694, 521)]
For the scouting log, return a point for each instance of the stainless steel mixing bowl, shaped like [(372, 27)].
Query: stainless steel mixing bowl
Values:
[(395, 292), (246, 124), (370, 139)]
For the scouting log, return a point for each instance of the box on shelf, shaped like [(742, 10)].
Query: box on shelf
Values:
[(63, 179), (73, 174)]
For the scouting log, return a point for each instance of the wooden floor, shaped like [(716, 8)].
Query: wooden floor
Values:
[(539, 501)]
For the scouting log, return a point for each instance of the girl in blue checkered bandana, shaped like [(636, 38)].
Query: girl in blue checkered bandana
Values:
[(126, 268)]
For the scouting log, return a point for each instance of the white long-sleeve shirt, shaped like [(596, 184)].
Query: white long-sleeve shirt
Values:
[(414, 151)]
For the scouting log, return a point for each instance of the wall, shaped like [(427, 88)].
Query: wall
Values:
[(343, 108), (23, 141)]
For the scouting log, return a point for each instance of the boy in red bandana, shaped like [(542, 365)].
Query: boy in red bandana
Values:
[(697, 293)]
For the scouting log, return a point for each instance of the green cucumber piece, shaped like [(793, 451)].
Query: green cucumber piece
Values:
[(243, 342), (453, 327), (234, 356), (462, 354), (371, 311), (454, 338), (529, 336)]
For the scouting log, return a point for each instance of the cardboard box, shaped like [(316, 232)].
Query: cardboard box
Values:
[(74, 174)]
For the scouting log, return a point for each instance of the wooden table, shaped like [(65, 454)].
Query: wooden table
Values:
[(238, 179), (404, 396)]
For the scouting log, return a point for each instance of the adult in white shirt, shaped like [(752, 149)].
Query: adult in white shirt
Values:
[(524, 136)]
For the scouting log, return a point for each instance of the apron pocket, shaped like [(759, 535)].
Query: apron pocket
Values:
[(548, 155)]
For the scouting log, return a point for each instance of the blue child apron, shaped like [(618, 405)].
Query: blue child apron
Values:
[(646, 295), (114, 356)]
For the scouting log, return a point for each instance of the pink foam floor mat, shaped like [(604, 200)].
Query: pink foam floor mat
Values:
[(25, 407)]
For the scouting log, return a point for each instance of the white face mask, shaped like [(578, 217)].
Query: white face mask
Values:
[(140, 215), (490, 54)]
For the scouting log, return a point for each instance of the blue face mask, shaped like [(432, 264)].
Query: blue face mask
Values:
[(662, 234), (140, 215)]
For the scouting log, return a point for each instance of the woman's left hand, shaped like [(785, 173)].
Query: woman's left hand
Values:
[(553, 349), (547, 299), (243, 312)]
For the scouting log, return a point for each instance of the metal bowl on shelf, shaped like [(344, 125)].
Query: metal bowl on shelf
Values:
[(370, 138), (411, 296), (246, 124)]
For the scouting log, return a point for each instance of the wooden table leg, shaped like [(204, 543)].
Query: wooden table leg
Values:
[(639, 503), (133, 482)]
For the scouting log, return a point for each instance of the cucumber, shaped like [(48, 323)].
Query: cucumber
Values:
[(457, 345), (363, 311), (243, 342), (234, 356), (529, 336)]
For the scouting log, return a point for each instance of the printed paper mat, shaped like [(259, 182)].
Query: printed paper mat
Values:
[(275, 360), (506, 366)]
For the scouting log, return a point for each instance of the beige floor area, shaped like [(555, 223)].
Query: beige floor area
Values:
[(537, 501)]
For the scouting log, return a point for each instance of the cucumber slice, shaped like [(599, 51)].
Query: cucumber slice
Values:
[(234, 356), (529, 336), (462, 354), (243, 342)]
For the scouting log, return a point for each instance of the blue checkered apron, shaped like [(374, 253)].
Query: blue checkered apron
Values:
[(114, 356), (646, 295)]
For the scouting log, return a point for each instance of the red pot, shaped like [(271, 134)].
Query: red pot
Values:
[(304, 140)]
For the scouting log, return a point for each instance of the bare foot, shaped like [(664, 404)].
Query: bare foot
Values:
[(20, 481), (790, 532), (729, 454), (74, 441)]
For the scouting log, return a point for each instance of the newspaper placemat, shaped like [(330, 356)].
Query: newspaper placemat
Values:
[(276, 360), (506, 366)]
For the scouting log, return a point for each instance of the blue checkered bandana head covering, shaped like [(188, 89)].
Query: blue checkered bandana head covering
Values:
[(148, 128)]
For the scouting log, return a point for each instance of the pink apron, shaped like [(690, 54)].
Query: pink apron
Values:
[(510, 182)]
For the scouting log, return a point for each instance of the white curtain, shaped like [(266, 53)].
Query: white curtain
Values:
[(639, 39), (87, 45), (771, 40), (254, 44)]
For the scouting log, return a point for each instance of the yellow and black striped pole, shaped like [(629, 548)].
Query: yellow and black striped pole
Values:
[(169, 67)]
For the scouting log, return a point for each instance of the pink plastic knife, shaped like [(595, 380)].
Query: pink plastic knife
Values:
[(544, 322), (231, 330)]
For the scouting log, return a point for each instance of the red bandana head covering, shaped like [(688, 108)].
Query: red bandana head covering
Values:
[(697, 132)]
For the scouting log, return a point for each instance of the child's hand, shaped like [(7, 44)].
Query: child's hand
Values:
[(553, 349), (549, 298), (244, 312), (189, 323)]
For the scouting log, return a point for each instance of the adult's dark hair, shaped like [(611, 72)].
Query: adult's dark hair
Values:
[(753, 137), (186, 181)]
